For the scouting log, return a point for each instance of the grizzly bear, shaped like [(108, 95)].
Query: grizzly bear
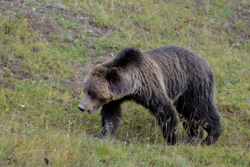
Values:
[(164, 80)]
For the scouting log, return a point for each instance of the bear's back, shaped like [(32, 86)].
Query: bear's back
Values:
[(177, 58), (180, 67)]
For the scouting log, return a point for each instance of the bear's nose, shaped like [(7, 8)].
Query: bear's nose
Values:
[(80, 107)]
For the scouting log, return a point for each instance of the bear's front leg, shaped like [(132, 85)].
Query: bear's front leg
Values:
[(111, 116), (165, 114), (169, 124)]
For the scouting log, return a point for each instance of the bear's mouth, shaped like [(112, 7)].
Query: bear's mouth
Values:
[(90, 111)]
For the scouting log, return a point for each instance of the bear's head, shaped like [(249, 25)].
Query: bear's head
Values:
[(112, 80), (103, 85)]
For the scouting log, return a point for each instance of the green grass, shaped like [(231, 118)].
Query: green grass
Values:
[(50, 125)]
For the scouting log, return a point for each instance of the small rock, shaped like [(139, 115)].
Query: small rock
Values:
[(70, 39)]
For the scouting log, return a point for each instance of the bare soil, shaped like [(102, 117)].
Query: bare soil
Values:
[(6, 84), (242, 14), (16, 69)]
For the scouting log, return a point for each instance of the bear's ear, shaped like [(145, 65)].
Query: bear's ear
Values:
[(112, 75)]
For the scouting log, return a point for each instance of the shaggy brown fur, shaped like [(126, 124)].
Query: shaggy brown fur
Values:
[(162, 80)]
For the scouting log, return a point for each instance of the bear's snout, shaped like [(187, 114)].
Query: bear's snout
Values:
[(80, 107)]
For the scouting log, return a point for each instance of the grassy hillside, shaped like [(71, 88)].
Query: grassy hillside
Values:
[(50, 46)]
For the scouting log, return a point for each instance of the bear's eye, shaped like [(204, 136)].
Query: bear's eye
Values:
[(90, 93)]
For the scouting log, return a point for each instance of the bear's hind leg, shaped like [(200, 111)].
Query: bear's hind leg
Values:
[(197, 115), (111, 116)]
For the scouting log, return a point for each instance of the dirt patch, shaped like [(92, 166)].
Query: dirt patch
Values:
[(84, 70), (7, 84), (16, 69), (242, 13), (40, 20), (231, 28), (36, 20), (70, 84)]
